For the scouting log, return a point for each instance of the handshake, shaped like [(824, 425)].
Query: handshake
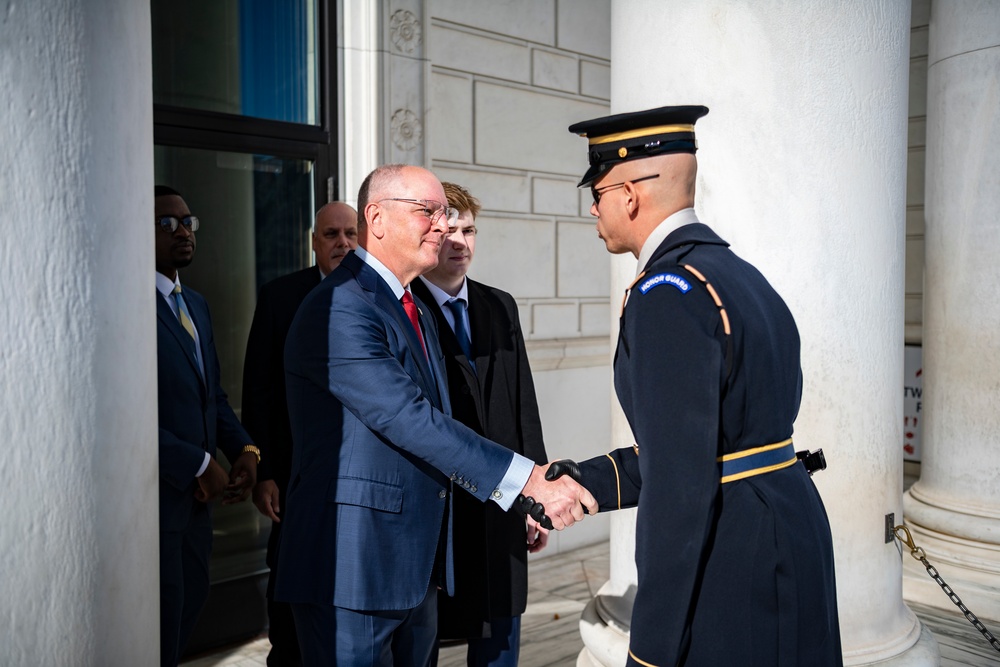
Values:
[(554, 497)]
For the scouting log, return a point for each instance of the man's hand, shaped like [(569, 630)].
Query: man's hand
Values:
[(242, 477), (265, 497), (564, 499), (538, 537), (212, 482)]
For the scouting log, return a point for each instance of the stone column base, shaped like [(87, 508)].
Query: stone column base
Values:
[(925, 653), (962, 548), (606, 644)]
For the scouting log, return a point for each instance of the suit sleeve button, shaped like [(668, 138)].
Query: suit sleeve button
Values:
[(473, 489), (442, 494)]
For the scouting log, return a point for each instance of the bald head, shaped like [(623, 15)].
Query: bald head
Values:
[(402, 207), (334, 234), (673, 190), (630, 208)]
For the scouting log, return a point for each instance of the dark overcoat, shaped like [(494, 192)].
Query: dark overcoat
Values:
[(736, 573), (497, 401), (265, 409)]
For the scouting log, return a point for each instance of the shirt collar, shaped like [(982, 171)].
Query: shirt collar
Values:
[(388, 276), (164, 285), (685, 216), (442, 297)]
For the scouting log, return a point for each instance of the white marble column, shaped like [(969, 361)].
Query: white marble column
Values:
[(954, 509), (360, 81), (78, 531), (383, 68), (802, 169)]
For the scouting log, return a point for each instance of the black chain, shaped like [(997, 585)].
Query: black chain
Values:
[(918, 553)]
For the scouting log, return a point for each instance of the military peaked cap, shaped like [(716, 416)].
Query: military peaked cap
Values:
[(628, 136)]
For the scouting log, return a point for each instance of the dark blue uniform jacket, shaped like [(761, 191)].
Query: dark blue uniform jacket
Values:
[(740, 573)]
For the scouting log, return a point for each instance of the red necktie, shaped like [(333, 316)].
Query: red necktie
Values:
[(411, 312)]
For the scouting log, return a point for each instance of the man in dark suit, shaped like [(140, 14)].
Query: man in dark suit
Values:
[(492, 393), (265, 409), (733, 548), (366, 537), (194, 419)]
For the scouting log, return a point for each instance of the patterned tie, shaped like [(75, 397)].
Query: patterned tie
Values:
[(182, 312), (411, 312), (461, 331)]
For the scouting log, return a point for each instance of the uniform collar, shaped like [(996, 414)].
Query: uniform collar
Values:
[(685, 216)]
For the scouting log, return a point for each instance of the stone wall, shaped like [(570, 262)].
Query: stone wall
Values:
[(505, 81)]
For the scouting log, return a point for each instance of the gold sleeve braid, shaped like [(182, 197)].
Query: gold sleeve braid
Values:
[(618, 480)]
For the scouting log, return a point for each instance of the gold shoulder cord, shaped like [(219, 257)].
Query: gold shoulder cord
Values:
[(715, 297), (697, 274), (628, 290)]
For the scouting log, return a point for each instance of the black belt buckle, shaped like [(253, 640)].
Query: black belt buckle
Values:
[(813, 461)]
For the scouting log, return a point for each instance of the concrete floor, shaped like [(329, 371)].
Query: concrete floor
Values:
[(560, 587)]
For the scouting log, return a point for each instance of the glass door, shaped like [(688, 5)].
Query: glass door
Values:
[(244, 124)]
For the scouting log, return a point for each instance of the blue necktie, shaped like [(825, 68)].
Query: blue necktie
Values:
[(461, 332)]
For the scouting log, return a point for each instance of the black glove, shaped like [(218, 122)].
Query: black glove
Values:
[(564, 467), (526, 506)]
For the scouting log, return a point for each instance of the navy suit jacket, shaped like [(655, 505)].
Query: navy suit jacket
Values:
[(375, 453), (194, 413)]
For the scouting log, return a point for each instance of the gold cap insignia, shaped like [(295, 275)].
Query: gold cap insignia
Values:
[(622, 152)]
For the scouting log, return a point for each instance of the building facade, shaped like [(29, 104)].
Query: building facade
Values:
[(836, 162)]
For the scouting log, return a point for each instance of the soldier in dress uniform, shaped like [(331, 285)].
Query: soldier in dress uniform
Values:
[(733, 546)]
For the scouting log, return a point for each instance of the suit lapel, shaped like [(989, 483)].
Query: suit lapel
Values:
[(199, 315), (370, 281), (481, 324), (435, 353), (449, 342), (173, 325)]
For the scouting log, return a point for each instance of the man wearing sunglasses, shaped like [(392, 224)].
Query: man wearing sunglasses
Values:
[(366, 540), (733, 548), (194, 420)]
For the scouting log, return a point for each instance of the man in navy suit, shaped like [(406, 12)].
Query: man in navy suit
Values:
[(265, 409), (491, 392), (367, 540), (194, 420)]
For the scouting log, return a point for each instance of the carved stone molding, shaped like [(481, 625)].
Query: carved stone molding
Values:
[(406, 130), (405, 31)]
